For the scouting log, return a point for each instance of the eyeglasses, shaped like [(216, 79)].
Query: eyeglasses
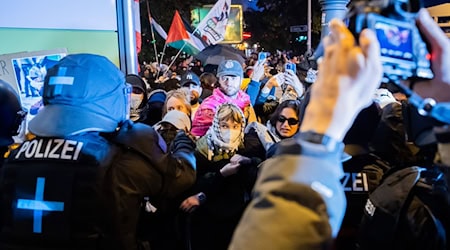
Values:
[(291, 121)]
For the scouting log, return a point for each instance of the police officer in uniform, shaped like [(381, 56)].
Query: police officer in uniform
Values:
[(81, 182), (11, 117)]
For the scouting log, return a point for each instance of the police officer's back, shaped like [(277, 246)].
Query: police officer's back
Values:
[(79, 184)]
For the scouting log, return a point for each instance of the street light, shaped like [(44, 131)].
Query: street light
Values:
[(308, 42), (332, 9)]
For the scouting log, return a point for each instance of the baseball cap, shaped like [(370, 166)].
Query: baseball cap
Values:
[(188, 78), (177, 118), (82, 92), (230, 68)]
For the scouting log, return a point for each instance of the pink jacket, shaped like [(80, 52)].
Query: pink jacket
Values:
[(204, 116)]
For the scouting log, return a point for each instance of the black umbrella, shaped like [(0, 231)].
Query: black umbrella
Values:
[(215, 54), (429, 3)]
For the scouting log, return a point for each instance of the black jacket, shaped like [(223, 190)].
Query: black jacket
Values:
[(226, 200), (145, 169), (102, 191)]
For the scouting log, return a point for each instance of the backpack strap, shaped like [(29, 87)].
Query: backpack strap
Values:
[(432, 191), (384, 206)]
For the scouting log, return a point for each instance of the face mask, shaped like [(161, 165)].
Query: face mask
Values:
[(230, 135), (136, 100)]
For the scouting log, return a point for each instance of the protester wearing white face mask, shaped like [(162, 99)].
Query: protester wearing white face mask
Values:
[(224, 180), (191, 82), (138, 100)]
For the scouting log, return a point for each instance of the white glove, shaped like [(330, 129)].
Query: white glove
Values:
[(311, 76), (383, 97), (290, 78), (258, 71)]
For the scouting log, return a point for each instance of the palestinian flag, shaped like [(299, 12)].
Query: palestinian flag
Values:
[(179, 38)]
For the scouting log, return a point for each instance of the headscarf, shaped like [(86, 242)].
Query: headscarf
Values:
[(217, 148), (267, 135), (202, 119)]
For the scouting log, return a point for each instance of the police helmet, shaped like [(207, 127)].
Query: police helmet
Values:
[(11, 113)]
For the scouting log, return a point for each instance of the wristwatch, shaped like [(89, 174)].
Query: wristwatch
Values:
[(328, 142), (201, 197)]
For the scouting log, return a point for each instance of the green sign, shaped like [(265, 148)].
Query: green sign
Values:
[(233, 34)]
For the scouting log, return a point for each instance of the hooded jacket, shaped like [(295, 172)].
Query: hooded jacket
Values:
[(141, 112), (205, 113)]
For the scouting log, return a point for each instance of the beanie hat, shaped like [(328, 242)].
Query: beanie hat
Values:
[(155, 106), (177, 118), (157, 95), (82, 92), (136, 82)]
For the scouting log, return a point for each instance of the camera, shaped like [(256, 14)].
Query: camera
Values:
[(404, 53)]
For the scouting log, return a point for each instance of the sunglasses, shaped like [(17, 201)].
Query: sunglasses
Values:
[(291, 121)]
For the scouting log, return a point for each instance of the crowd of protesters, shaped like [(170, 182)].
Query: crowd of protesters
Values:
[(212, 156)]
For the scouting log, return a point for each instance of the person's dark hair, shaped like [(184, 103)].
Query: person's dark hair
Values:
[(293, 104), (171, 84), (211, 68), (208, 80)]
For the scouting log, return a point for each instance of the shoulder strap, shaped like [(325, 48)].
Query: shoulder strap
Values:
[(395, 188), (384, 206), (432, 191), (140, 137)]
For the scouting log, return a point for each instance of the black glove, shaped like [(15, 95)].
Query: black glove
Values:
[(182, 148), (182, 143)]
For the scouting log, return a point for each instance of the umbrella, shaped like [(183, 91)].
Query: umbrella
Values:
[(430, 3), (215, 54)]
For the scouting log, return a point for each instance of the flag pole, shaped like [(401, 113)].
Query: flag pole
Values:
[(175, 58), (162, 56), (179, 51), (153, 34)]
